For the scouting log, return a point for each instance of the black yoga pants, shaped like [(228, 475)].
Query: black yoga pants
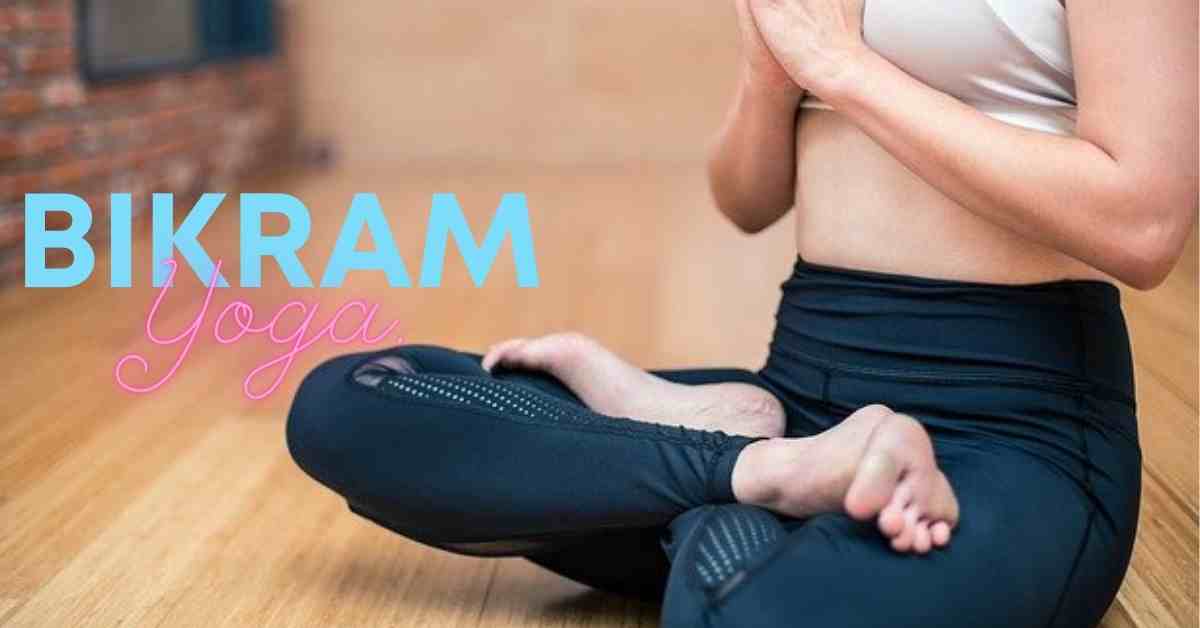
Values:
[(1026, 391)]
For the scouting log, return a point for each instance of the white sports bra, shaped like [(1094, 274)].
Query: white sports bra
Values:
[(1010, 59)]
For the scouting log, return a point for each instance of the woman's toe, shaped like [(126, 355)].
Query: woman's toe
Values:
[(939, 533), (501, 352), (891, 519), (944, 504), (903, 542), (921, 538)]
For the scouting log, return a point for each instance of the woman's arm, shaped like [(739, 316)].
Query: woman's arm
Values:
[(752, 168), (1121, 195)]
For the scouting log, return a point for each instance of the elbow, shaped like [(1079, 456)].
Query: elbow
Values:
[(1148, 251), (1145, 274), (750, 208), (747, 218), (750, 221), (743, 222), (1151, 213), (752, 228)]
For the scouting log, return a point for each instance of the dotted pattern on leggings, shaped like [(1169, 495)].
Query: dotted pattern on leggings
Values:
[(489, 394), (731, 536), (518, 402)]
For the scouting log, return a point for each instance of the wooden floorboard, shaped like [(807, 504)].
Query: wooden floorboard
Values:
[(182, 508)]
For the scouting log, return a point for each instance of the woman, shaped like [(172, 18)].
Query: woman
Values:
[(950, 376)]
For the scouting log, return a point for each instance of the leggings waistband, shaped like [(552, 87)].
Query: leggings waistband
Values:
[(1067, 335)]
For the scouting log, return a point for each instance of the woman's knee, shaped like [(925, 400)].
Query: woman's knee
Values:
[(317, 433), (374, 447), (335, 415), (343, 432)]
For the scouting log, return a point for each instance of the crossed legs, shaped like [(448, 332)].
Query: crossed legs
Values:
[(426, 442), (876, 464)]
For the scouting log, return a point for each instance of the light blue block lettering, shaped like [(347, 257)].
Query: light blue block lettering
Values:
[(365, 212), (120, 212), (167, 239), (282, 247), (38, 239), (446, 219)]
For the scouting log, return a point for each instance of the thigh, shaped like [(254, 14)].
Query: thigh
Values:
[(1020, 557)]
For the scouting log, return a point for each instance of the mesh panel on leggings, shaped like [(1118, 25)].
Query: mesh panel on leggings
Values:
[(485, 393), (520, 403), (730, 537)]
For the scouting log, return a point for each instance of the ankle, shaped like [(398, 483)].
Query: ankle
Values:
[(757, 472)]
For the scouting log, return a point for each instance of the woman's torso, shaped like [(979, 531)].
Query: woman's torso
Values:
[(858, 207)]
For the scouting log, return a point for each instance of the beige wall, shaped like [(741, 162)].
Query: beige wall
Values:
[(549, 81)]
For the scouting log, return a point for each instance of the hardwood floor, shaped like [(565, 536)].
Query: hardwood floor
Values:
[(182, 507)]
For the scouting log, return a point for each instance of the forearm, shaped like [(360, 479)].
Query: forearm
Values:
[(752, 167), (1065, 192)]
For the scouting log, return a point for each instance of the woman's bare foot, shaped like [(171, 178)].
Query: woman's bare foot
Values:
[(612, 386), (875, 464)]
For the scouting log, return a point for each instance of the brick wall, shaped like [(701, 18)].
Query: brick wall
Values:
[(181, 132)]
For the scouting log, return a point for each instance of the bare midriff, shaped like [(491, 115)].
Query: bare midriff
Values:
[(858, 207)]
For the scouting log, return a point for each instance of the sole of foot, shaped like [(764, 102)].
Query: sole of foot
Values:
[(876, 464)]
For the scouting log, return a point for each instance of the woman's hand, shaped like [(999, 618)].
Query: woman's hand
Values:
[(752, 169), (815, 41), (762, 71), (1118, 194)]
